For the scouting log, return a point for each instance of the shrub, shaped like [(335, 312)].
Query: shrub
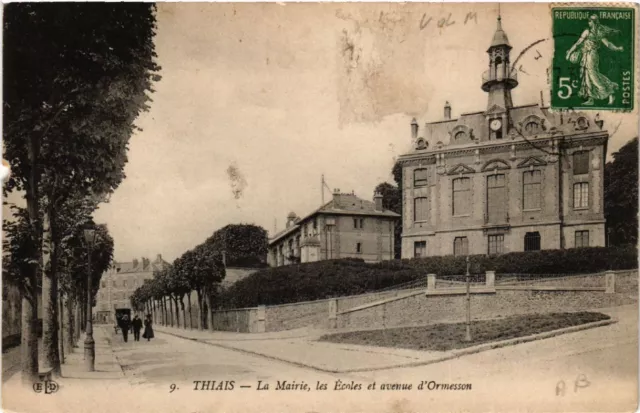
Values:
[(336, 278)]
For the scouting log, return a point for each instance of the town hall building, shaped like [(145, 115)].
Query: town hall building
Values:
[(507, 178)]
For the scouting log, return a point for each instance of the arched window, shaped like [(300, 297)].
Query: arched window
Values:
[(532, 241), (532, 127), (460, 135)]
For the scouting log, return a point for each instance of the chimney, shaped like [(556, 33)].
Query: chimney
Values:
[(336, 198), (414, 129), (447, 110), (291, 219), (135, 263), (159, 257), (377, 199)]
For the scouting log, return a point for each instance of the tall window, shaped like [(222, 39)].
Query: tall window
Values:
[(532, 241), (582, 239), (420, 177), (420, 209), (531, 183), (581, 195), (103, 284), (496, 244), (420, 249), (581, 163), (358, 247), (461, 196), (461, 246), (496, 198)]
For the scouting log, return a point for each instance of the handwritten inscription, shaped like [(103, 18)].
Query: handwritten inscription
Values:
[(447, 21), (581, 382)]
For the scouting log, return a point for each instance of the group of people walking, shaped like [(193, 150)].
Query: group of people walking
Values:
[(136, 325)]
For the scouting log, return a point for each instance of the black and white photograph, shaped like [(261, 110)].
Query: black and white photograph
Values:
[(319, 207)]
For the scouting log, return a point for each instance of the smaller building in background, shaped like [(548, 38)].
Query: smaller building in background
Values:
[(345, 227), (119, 282)]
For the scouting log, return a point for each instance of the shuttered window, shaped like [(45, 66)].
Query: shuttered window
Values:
[(420, 209), (581, 163)]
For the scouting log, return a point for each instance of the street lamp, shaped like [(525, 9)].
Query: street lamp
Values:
[(89, 344), (467, 279)]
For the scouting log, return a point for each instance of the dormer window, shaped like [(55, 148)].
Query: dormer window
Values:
[(421, 144), (582, 123), (532, 127), (460, 135)]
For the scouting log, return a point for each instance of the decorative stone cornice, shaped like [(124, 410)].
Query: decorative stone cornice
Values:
[(549, 141)]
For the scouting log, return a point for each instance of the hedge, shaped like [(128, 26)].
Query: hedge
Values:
[(335, 278)]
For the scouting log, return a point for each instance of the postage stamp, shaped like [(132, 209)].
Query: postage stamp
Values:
[(593, 61)]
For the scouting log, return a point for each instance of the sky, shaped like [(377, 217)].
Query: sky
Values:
[(257, 101)]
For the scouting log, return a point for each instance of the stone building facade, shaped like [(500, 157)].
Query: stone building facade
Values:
[(119, 282), (507, 178), (347, 226)]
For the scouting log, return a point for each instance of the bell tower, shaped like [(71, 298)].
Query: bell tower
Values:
[(498, 82)]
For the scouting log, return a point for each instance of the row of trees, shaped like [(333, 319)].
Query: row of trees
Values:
[(76, 77), (200, 269), (620, 197)]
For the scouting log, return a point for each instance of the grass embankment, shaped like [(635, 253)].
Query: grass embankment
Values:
[(444, 337)]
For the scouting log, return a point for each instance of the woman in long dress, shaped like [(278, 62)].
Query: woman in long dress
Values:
[(593, 84), (148, 328)]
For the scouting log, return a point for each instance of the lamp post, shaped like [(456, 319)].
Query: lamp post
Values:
[(467, 279), (89, 344)]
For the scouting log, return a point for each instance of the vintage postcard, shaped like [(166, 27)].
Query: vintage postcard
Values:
[(320, 207)]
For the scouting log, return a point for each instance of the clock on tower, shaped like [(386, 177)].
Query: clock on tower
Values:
[(495, 128)]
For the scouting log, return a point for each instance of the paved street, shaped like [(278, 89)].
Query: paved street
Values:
[(591, 370), (601, 362)]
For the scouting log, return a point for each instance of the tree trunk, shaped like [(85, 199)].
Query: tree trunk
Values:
[(184, 318), (200, 310), (70, 331), (61, 300), (29, 321), (175, 306), (170, 310), (208, 315), (165, 315), (50, 326), (190, 315), (29, 339)]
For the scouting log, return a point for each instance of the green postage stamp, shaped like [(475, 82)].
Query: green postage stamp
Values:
[(593, 60)]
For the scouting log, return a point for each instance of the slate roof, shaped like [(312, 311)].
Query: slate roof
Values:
[(340, 204), (500, 37), (138, 266), (441, 131)]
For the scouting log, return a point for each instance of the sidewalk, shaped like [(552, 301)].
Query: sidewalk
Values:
[(75, 386), (300, 347)]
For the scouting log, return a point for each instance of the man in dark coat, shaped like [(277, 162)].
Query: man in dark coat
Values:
[(125, 325), (137, 325)]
